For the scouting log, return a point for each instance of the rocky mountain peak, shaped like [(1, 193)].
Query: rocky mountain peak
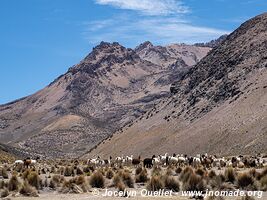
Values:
[(105, 55)]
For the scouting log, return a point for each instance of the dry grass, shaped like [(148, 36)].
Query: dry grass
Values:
[(157, 171), (79, 171), (245, 180), (178, 170), (13, 184), (194, 183), (263, 183), (127, 179), (75, 185), (121, 186), (3, 184), (97, 180), (69, 171), (155, 183), (4, 193), (185, 174), (28, 190), (56, 181), (211, 174), (109, 174), (230, 175), (141, 177), (171, 183), (34, 180), (138, 170), (200, 172), (3, 173)]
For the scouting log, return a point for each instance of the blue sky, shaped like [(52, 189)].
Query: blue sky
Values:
[(41, 39)]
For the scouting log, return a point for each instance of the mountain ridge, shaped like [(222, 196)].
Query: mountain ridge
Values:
[(217, 107), (108, 89)]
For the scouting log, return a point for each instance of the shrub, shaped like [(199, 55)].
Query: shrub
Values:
[(141, 177), (230, 175), (109, 174), (28, 190), (97, 180), (155, 183), (244, 180), (13, 184), (171, 184)]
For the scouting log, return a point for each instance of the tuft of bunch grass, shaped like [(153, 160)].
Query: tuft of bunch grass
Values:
[(13, 184), (244, 180), (230, 175), (127, 179), (156, 171), (56, 181), (4, 193), (121, 186), (28, 190), (186, 173), (3, 173), (97, 180), (34, 180), (69, 171), (75, 185), (138, 170), (109, 174), (194, 183), (3, 184), (79, 171), (141, 177), (171, 183), (178, 170), (155, 183), (116, 180), (200, 171), (263, 183)]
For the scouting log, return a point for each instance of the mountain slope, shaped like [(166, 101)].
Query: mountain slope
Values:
[(218, 106), (111, 87)]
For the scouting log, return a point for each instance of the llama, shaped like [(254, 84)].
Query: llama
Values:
[(136, 161)]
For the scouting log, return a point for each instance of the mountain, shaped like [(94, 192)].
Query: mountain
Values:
[(107, 90), (212, 43), (218, 106)]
